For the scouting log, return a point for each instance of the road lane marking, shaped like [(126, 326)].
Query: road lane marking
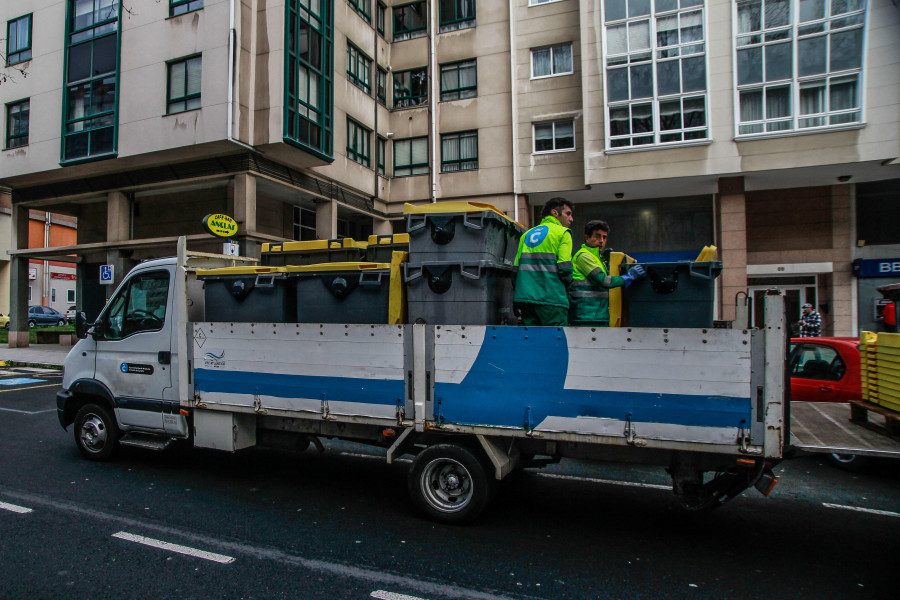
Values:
[(871, 511), (139, 539), (13, 508), (374, 576), (609, 481), (383, 595), (27, 412), (33, 387)]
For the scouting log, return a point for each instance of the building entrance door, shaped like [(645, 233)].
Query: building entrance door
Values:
[(796, 293)]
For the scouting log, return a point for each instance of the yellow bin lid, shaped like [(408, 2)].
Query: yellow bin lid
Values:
[(453, 206), (337, 266), (386, 240), (241, 271)]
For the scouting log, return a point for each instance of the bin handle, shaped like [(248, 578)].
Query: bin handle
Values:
[(475, 275), (265, 280), (373, 279), (698, 274), (415, 222), (471, 223), (413, 271)]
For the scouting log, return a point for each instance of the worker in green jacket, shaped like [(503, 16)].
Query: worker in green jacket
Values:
[(589, 292), (544, 262)]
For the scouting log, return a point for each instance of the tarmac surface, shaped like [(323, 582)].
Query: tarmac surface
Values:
[(49, 356)]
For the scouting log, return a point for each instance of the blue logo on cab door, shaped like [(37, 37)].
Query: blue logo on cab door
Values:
[(123, 367), (537, 235)]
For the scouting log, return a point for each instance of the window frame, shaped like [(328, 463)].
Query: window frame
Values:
[(458, 136), (365, 84), (458, 23), (412, 166), (174, 5), (381, 18), (124, 294), (9, 114), (297, 226), (360, 7), (363, 155), (15, 57), (571, 47), (381, 79), (187, 96), (460, 89), (401, 101), (70, 296), (401, 35), (796, 82), (381, 155), (555, 150)]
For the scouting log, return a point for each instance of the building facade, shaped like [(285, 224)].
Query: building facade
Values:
[(770, 128)]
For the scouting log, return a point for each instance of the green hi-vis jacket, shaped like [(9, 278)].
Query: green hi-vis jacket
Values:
[(589, 292), (545, 264)]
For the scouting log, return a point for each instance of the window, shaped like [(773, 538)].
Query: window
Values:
[(410, 21), (816, 361), (139, 306), (358, 143), (555, 60), (411, 87), (364, 8), (380, 153), (52, 294), (411, 157), (799, 64), (380, 18), (179, 7), (381, 87), (91, 79), (30, 294), (70, 296), (304, 224), (655, 84), (458, 80), (184, 85), (459, 152), (308, 90), (359, 68), (18, 40), (17, 124), (457, 14), (555, 136)]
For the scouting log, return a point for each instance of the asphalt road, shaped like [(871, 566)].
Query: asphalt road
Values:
[(265, 525)]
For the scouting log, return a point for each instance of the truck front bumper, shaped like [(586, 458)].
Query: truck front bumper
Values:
[(63, 397)]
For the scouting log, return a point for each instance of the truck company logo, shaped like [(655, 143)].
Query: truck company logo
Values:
[(220, 225), (210, 359), (136, 369)]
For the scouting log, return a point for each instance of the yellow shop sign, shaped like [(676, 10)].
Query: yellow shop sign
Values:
[(220, 225)]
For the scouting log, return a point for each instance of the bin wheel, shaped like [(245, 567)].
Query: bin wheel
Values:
[(449, 484)]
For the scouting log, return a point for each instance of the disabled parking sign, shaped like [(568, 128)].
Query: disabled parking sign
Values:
[(106, 274)]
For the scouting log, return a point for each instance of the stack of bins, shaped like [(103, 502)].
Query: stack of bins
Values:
[(676, 294), (460, 264), (313, 252), (248, 294), (380, 248), (342, 292), (868, 365)]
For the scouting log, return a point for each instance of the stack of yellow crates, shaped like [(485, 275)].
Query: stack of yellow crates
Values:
[(880, 368)]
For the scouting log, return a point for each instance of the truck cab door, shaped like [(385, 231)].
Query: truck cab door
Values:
[(134, 347)]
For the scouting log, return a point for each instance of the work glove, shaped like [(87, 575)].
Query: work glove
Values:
[(633, 274)]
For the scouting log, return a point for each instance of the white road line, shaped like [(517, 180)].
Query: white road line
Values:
[(609, 481), (139, 539), (28, 412), (871, 511), (383, 595), (13, 508)]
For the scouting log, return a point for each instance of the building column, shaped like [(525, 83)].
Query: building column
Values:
[(18, 280), (732, 225), (118, 229), (842, 280), (326, 220), (382, 227), (243, 203)]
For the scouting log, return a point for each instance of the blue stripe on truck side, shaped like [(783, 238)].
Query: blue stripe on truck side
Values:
[(337, 389), (519, 369)]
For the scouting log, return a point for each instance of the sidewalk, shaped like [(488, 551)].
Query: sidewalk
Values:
[(36, 355)]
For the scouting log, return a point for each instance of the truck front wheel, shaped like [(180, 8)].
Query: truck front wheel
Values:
[(96, 433), (449, 483)]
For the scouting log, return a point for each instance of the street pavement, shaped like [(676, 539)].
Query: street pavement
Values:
[(49, 355)]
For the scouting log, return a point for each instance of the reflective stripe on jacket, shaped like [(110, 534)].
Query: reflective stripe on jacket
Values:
[(589, 293), (544, 260)]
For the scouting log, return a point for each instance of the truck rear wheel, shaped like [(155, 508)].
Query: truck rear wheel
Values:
[(96, 433), (449, 483)]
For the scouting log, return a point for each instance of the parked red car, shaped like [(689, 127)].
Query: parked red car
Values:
[(825, 369)]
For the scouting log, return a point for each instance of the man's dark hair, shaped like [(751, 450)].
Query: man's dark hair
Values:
[(594, 225), (555, 204)]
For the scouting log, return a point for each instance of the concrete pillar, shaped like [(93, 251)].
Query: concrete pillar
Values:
[(18, 280), (326, 220), (732, 229), (118, 217), (382, 227), (243, 192), (842, 282), (121, 265)]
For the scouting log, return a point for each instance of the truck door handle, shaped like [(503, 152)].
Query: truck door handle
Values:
[(164, 357)]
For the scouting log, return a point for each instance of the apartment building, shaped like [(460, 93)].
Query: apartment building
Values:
[(768, 127)]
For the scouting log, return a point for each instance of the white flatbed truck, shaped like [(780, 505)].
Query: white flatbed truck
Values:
[(470, 404)]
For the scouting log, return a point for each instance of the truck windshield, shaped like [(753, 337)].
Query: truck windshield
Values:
[(139, 306)]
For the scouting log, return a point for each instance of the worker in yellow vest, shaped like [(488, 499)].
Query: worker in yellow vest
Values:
[(589, 292), (544, 262)]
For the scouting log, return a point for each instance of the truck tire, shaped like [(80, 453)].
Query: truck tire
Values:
[(449, 484), (96, 433)]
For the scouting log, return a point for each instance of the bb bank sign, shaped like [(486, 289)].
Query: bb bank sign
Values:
[(877, 267)]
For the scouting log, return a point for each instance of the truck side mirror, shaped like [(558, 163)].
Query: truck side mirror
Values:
[(81, 325)]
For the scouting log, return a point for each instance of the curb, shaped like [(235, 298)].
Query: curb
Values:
[(32, 365)]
